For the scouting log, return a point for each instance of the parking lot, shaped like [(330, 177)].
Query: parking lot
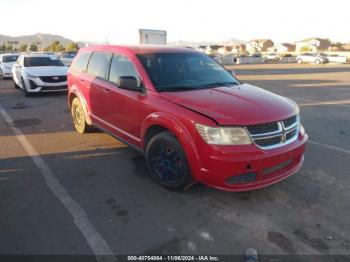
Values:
[(86, 194)]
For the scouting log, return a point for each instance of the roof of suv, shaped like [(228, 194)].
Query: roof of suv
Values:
[(140, 49), (37, 55)]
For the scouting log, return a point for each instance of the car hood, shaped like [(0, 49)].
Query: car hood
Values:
[(9, 64), (47, 70), (235, 105)]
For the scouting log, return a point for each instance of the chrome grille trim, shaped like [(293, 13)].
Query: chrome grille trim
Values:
[(282, 132)]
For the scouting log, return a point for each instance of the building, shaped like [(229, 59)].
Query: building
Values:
[(259, 45), (282, 48), (231, 49), (313, 45)]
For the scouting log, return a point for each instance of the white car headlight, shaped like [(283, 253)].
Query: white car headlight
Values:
[(224, 135), (29, 75)]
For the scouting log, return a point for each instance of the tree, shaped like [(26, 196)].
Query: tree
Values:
[(33, 48), (23, 48), (3, 48), (337, 44), (72, 47), (9, 47), (55, 46)]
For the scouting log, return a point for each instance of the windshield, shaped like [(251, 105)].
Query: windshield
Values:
[(184, 71), (67, 56), (9, 58), (42, 61)]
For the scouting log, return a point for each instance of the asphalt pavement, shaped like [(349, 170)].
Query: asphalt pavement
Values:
[(66, 193)]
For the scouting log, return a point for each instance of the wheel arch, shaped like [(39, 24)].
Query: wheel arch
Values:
[(75, 93), (159, 122)]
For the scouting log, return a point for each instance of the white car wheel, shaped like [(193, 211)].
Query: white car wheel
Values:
[(24, 89), (299, 61)]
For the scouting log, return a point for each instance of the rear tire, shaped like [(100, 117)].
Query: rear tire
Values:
[(78, 116), (318, 61), (167, 162)]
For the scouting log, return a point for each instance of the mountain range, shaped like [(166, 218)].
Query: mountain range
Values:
[(42, 40)]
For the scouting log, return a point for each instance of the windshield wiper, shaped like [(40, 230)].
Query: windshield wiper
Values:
[(214, 84), (176, 88), (185, 88)]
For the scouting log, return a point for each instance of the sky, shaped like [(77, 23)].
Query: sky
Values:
[(118, 21)]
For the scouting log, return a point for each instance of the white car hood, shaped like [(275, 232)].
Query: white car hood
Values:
[(47, 70), (8, 64)]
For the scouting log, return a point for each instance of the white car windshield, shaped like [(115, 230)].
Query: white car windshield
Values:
[(9, 58), (36, 61)]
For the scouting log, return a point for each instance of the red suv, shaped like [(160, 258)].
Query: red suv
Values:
[(193, 120)]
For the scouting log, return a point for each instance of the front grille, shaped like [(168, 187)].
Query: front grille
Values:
[(262, 128), (245, 178), (275, 134), (291, 134), (53, 79), (290, 121), (54, 88), (269, 141)]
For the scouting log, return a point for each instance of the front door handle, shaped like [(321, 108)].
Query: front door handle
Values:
[(106, 90)]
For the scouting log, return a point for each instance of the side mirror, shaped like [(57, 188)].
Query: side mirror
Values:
[(128, 83)]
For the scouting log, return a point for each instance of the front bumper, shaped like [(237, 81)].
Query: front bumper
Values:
[(35, 85), (246, 168), (6, 72)]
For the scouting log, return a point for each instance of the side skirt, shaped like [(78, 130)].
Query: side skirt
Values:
[(121, 140)]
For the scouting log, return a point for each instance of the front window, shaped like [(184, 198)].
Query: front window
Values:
[(185, 71), (35, 61), (9, 58)]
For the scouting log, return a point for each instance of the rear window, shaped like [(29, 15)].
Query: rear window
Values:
[(9, 58), (34, 61), (99, 64), (80, 63)]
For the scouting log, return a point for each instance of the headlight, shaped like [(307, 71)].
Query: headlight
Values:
[(224, 135), (29, 75)]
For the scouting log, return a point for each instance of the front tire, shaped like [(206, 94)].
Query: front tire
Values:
[(78, 116), (167, 162), (15, 84), (318, 61), (299, 61), (24, 89)]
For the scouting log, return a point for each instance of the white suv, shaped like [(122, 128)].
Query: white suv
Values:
[(6, 63), (35, 73), (311, 58)]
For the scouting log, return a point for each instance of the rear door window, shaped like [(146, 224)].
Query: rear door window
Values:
[(99, 64)]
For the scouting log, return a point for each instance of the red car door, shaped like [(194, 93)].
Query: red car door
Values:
[(98, 95), (126, 108)]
